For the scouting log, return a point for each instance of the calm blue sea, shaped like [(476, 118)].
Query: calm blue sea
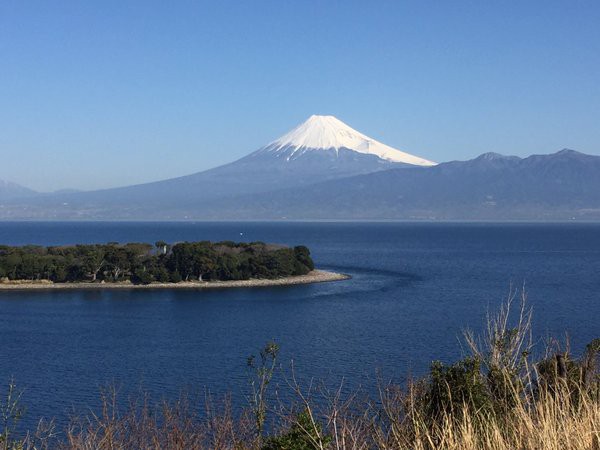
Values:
[(415, 287)]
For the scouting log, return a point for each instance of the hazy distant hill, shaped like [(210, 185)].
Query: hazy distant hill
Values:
[(11, 191)]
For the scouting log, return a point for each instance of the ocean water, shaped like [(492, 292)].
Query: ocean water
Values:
[(415, 287)]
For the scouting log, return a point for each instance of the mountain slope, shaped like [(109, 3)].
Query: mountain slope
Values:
[(287, 162), (323, 133), (10, 191), (559, 186)]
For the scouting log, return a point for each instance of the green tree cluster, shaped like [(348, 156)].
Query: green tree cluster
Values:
[(143, 263)]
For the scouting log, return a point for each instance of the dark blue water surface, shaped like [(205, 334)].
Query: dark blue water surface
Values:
[(414, 288)]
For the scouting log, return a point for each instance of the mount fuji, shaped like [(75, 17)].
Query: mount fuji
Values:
[(323, 148), (327, 135), (320, 149)]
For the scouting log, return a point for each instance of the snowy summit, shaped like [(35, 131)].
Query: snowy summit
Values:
[(328, 132)]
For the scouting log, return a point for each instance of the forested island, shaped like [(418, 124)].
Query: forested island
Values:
[(145, 264)]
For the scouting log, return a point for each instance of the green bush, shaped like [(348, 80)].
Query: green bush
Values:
[(304, 434), (578, 375), (141, 276), (450, 388), (175, 277)]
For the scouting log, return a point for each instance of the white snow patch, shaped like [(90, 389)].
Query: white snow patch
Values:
[(328, 132)]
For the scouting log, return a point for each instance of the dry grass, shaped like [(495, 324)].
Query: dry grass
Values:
[(553, 423)]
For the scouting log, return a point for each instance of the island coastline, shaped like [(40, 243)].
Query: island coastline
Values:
[(315, 276)]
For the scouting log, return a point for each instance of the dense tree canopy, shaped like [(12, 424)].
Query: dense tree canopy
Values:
[(144, 263)]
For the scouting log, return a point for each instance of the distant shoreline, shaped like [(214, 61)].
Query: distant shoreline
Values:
[(315, 276)]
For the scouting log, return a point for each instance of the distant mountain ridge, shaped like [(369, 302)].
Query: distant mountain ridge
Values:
[(323, 169), (559, 186)]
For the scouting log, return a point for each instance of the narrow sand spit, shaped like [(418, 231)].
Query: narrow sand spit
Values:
[(316, 276)]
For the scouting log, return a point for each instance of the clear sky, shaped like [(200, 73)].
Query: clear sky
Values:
[(107, 93)]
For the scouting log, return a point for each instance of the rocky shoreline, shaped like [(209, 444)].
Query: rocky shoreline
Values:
[(316, 276)]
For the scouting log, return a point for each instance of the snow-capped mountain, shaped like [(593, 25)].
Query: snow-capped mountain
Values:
[(328, 133), (320, 149), (323, 148)]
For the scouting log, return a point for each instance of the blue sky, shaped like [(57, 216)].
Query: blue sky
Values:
[(100, 94)]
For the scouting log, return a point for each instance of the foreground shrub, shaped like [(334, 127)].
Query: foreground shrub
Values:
[(303, 434), (456, 387)]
